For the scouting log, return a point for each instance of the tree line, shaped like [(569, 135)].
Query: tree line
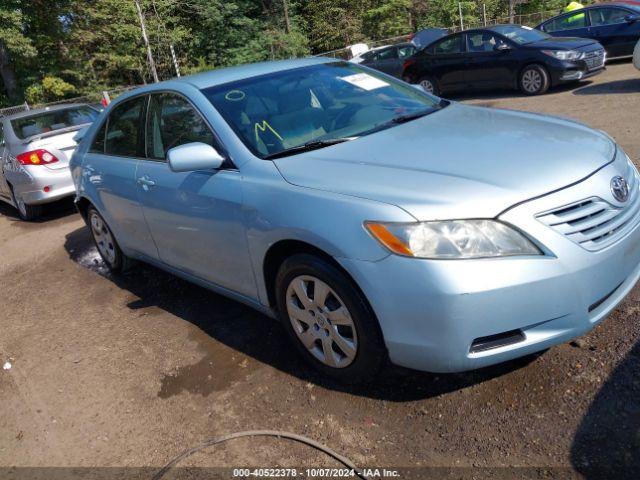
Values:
[(55, 49)]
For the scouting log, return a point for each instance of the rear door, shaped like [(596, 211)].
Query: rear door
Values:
[(195, 217), (610, 27), (449, 62), (573, 24), (110, 169)]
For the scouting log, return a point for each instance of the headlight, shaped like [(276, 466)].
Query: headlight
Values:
[(452, 239), (564, 54)]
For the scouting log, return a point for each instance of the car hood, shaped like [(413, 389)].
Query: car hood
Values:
[(563, 43), (460, 162)]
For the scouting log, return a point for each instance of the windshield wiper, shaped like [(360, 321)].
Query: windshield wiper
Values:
[(307, 147)]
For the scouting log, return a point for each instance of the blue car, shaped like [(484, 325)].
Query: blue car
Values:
[(376, 221), (615, 25)]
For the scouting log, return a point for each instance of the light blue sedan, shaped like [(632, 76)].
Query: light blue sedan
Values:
[(377, 222)]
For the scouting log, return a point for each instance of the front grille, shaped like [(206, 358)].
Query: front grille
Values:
[(595, 223), (595, 59)]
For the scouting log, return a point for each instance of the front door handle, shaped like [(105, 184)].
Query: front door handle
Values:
[(146, 182)]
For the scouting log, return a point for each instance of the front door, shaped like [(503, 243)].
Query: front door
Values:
[(195, 217), (610, 27), (574, 24), (489, 67)]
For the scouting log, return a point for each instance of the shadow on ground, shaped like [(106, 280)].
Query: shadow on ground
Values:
[(631, 85), (607, 442), (255, 335), (51, 211)]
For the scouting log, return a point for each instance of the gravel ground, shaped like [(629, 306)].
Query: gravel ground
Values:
[(130, 371)]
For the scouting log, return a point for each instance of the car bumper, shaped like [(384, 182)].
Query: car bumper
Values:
[(563, 71), (38, 184), (456, 315)]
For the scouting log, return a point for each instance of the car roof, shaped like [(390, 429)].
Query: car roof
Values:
[(241, 72), (36, 111)]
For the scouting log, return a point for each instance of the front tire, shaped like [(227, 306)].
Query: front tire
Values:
[(534, 80), (329, 320), (26, 212), (105, 242)]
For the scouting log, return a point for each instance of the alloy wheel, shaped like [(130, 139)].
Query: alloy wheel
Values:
[(427, 85), (321, 321), (532, 81), (103, 238)]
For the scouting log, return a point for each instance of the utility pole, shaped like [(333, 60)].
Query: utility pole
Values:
[(175, 59), (152, 64), (461, 19)]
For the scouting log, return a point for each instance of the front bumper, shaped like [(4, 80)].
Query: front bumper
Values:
[(432, 311), (38, 184), (563, 71)]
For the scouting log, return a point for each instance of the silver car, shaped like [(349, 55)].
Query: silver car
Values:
[(35, 148)]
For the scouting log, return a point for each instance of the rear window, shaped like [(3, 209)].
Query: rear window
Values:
[(25, 127)]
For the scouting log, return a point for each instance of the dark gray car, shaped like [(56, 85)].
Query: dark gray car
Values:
[(389, 59)]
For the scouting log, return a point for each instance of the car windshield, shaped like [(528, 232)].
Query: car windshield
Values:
[(520, 35), (45, 122), (315, 106)]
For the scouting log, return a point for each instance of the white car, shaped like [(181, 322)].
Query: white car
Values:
[(636, 56)]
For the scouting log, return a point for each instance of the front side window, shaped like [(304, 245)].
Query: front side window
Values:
[(46, 122), (607, 16), (569, 22), (283, 110), (172, 122), (97, 146), (124, 129), (388, 54), (404, 52), (448, 46), (483, 42)]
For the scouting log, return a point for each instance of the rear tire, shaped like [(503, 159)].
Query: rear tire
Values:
[(534, 80), (26, 212), (105, 242), (329, 320), (429, 85)]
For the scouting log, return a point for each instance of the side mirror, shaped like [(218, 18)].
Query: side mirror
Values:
[(80, 135), (632, 18), (194, 156), (503, 47)]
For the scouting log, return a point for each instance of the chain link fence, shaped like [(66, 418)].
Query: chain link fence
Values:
[(92, 98)]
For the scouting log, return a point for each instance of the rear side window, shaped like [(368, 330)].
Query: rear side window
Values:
[(173, 122), (607, 16), (125, 129), (448, 46), (569, 22)]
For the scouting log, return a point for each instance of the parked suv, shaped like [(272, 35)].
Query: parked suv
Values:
[(35, 148), (375, 220)]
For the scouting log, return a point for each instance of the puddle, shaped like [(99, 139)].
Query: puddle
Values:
[(215, 372)]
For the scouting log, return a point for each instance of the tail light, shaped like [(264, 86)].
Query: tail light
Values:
[(411, 35), (37, 157)]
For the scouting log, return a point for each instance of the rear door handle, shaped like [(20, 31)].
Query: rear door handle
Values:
[(146, 182)]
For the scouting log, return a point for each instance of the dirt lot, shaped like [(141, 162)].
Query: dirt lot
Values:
[(130, 371)]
